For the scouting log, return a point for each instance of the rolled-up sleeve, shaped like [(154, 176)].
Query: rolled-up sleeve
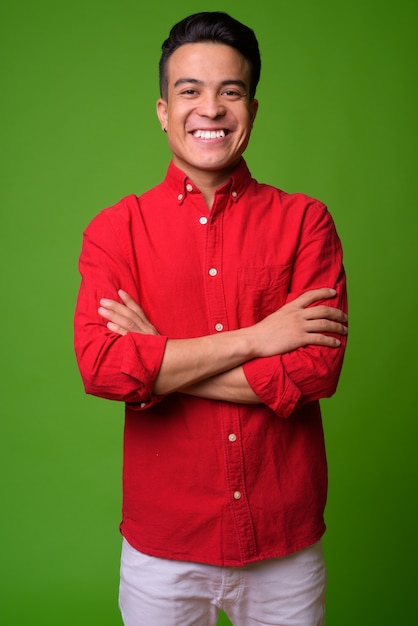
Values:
[(112, 366), (286, 382)]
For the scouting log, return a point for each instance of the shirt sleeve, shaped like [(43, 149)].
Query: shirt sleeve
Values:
[(112, 366), (286, 382)]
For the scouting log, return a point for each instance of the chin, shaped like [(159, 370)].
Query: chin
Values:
[(217, 164)]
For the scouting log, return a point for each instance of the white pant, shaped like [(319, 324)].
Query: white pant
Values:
[(289, 591)]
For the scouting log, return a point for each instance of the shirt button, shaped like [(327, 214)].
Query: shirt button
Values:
[(180, 196), (237, 495), (189, 187), (203, 220), (213, 271), (219, 327), (232, 437), (234, 194)]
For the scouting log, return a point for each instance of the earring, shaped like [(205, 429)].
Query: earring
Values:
[(165, 129)]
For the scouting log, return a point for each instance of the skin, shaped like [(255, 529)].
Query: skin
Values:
[(209, 366), (208, 87), (208, 90)]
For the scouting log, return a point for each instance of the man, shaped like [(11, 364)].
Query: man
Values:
[(213, 306)]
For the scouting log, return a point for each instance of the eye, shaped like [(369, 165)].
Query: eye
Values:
[(189, 92), (232, 94)]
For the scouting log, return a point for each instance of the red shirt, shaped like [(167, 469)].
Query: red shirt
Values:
[(204, 480)]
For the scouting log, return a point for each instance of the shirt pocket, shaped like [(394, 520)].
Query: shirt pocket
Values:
[(263, 290)]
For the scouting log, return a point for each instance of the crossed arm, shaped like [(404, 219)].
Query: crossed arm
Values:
[(211, 366)]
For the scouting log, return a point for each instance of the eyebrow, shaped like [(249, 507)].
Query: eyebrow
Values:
[(224, 83)]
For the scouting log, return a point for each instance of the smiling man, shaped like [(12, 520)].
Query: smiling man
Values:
[(215, 308)]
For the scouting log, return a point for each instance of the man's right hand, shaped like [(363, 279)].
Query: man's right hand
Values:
[(127, 317)]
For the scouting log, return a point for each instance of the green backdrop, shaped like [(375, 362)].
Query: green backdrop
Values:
[(337, 120)]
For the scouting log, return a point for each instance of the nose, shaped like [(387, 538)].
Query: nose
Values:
[(211, 106)]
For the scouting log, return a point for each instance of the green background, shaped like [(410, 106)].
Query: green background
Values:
[(337, 120)]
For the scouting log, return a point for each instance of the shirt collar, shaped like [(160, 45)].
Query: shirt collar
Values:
[(181, 185)]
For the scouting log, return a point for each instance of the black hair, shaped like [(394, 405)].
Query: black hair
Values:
[(217, 27)]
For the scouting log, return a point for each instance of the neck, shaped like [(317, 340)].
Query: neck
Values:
[(207, 181), (208, 190)]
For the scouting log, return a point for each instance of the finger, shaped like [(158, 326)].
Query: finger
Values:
[(316, 339), (146, 325), (116, 329), (124, 320), (130, 302), (124, 309), (313, 295), (326, 326), (112, 305), (325, 312)]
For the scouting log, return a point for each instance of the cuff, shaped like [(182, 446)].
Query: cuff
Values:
[(268, 379), (142, 361)]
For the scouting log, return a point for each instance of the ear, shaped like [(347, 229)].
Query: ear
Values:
[(253, 110), (162, 109)]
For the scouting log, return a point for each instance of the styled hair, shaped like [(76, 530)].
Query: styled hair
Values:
[(215, 27)]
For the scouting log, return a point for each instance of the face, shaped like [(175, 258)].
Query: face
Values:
[(208, 113)]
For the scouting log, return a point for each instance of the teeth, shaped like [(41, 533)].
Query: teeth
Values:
[(209, 134)]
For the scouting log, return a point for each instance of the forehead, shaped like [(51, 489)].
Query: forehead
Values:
[(207, 60)]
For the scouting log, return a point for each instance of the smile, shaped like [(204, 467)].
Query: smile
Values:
[(209, 134)]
